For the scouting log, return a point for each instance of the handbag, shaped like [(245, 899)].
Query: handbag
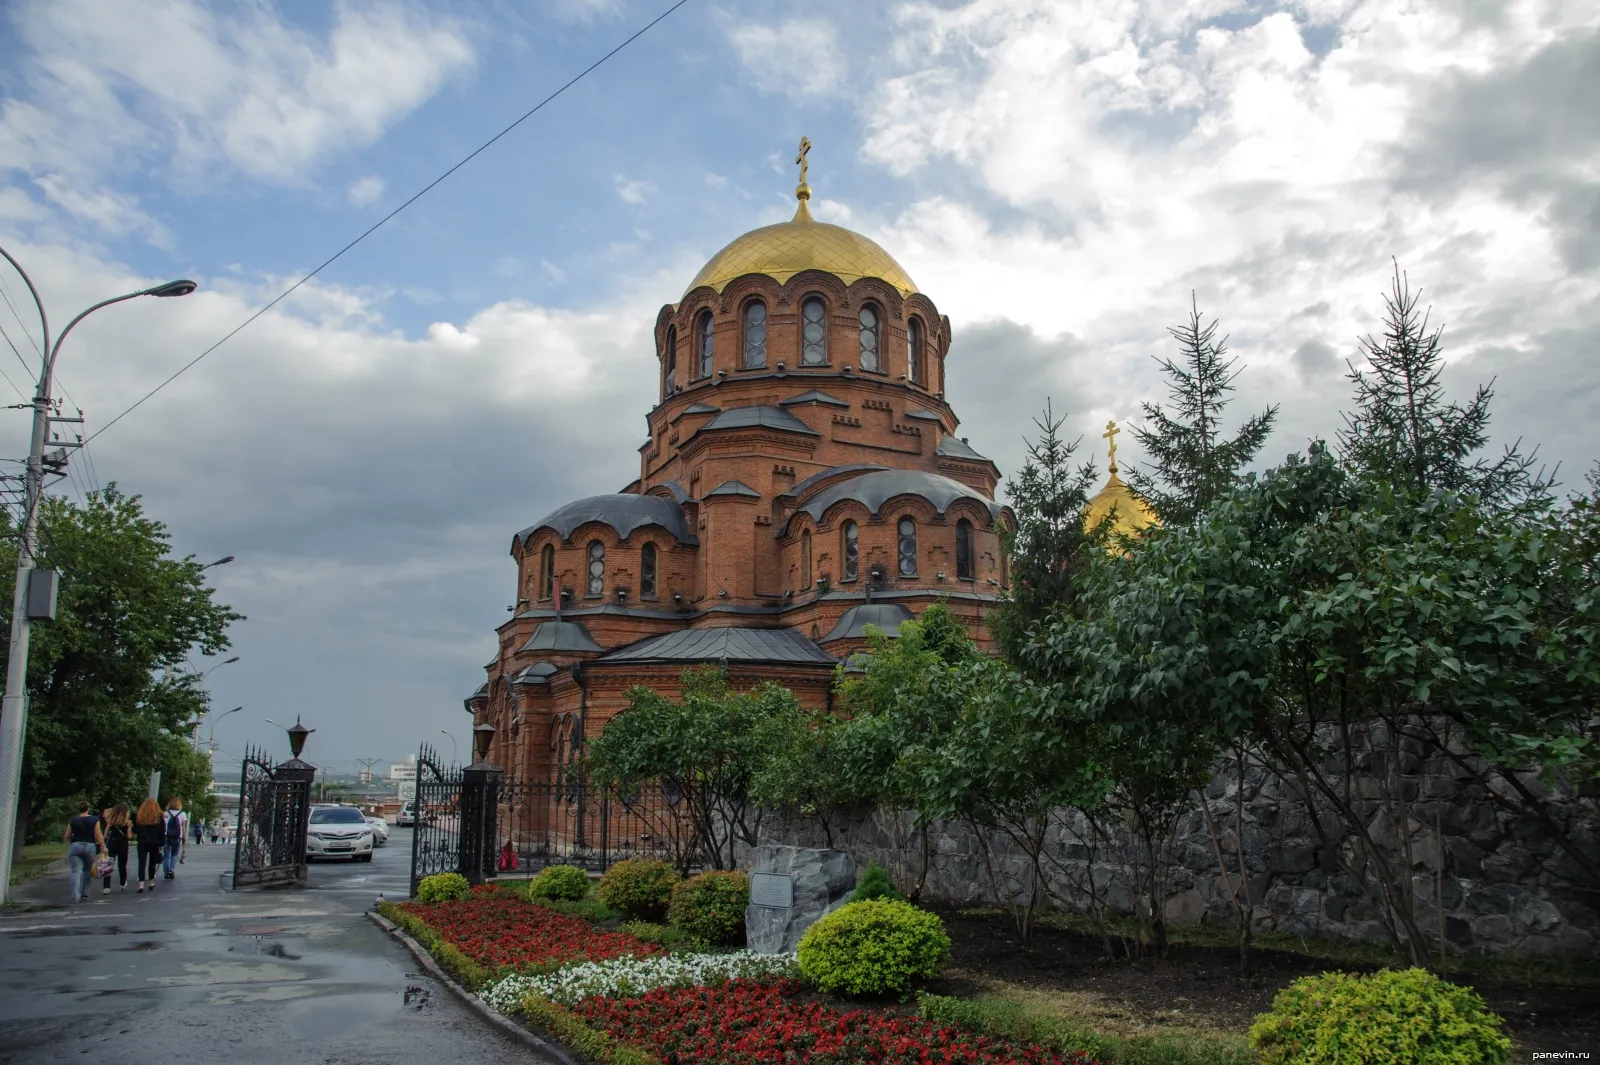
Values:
[(102, 866)]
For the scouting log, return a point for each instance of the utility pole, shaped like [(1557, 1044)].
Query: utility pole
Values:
[(366, 779), (27, 602)]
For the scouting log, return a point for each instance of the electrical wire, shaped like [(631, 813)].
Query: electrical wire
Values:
[(380, 222)]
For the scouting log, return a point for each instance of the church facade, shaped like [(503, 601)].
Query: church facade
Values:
[(803, 478)]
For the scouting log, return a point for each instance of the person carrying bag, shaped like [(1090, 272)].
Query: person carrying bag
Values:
[(84, 842), (119, 833)]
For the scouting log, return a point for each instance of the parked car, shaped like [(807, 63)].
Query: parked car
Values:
[(407, 817), (339, 832), (380, 830)]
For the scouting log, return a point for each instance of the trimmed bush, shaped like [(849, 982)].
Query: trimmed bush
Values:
[(873, 948), (1408, 1017), (443, 887), (876, 884), (589, 908), (639, 887), (664, 935), (559, 882), (710, 907)]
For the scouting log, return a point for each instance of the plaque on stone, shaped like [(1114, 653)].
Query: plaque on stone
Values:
[(772, 889)]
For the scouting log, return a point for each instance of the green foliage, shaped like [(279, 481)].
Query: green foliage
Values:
[(1390, 1017), (589, 908), (1406, 434), (186, 775), (709, 745), (875, 883), (443, 887), (666, 935), (1049, 544), (592, 1045), (472, 975), (873, 948), (805, 767), (109, 685), (639, 887), (1010, 1020), (1191, 465), (710, 907), (559, 882)]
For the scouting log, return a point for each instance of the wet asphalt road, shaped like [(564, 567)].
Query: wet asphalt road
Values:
[(196, 974)]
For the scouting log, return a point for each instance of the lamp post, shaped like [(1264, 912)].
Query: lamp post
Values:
[(195, 739), (455, 751), (223, 561), (211, 740), (14, 707)]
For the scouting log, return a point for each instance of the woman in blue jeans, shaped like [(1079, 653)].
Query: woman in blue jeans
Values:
[(85, 842)]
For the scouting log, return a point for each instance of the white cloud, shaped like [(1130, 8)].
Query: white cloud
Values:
[(800, 55), (634, 192), (366, 190), (172, 80)]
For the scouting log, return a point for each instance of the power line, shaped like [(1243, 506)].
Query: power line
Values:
[(380, 222)]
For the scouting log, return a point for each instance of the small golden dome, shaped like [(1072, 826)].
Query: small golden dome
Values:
[(1129, 514), (783, 250)]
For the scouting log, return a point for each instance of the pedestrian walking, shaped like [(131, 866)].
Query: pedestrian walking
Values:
[(149, 833), (198, 829), (85, 842), (118, 832), (176, 835)]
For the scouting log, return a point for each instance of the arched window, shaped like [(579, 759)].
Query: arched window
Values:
[(870, 359), (850, 550), (914, 351), (647, 571), (908, 547), (705, 345), (670, 373), (805, 559), (813, 332), (964, 550), (755, 335), (597, 568), (547, 571)]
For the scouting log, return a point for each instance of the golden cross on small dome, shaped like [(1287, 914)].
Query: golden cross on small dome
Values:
[(1110, 436), (802, 191), (805, 149)]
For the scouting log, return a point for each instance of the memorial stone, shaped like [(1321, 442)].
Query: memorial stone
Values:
[(790, 888)]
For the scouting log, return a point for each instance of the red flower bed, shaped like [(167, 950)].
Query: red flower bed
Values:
[(499, 930), (744, 1023)]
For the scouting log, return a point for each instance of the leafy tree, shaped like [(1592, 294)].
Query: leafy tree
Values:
[(805, 768), (709, 744), (1049, 544), (1405, 432), (1192, 464), (108, 685)]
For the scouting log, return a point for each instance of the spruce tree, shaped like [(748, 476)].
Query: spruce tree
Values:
[(1190, 462), (1046, 551), (1405, 432)]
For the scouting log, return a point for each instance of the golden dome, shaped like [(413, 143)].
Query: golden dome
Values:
[(1128, 513), (783, 250)]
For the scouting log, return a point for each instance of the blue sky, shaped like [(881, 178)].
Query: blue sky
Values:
[(1057, 176)]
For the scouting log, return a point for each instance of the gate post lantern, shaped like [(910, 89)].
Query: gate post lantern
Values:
[(296, 796), (480, 805)]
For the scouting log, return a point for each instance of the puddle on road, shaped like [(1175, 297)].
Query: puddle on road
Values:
[(224, 972), (273, 993), (143, 944), (417, 998)]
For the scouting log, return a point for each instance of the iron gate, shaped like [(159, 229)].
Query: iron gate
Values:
[(274, 804), (436, 837)]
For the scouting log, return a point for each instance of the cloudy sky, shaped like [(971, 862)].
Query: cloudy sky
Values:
[(1057, 176)]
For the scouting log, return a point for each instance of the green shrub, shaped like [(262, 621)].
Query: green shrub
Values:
[(874, 947), (590, 908), (665, 935), (1408, 1017), (469, 972), (710, 907), (591, 1043), (443, 887), (559, 882), (639, 887), (876, 884)]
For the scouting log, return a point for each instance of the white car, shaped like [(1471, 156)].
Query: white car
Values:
[(380, 830), (407, 817), (339, 832)]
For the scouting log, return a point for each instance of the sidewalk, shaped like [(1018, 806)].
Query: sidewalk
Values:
[(196, 974)]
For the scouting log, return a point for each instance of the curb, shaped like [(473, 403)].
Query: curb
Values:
[(473, 1003)]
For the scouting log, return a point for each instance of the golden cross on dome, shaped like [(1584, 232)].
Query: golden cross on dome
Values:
[(1110, 435), (805, 149), (802, 191)]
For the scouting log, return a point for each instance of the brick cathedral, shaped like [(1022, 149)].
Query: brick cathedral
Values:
[(803, 479)]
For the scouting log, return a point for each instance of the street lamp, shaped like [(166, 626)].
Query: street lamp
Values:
[(223, 561), (455, 752), (211, 740), (195, 739), (14, 707)]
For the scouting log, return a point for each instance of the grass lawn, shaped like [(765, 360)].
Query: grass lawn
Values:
[(34, 859)]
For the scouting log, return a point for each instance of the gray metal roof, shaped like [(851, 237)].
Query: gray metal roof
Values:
[(483, 689), (814, 396), (733, 488), (763, 416), (538, 673), (873, 490), (623, 512), (853, 622), (957, 448), (923, 415), (567, 636), (677, 490), (799, 490), (733, 644), (697, 408)]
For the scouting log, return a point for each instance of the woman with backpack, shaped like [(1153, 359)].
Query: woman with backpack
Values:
[(176, 835), (118, 832), (149, 833)]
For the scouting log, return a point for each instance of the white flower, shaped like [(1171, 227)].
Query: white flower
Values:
[(628, 977)]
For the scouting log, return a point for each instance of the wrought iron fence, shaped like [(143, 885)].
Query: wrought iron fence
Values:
[(274, 804), (436, 839)]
